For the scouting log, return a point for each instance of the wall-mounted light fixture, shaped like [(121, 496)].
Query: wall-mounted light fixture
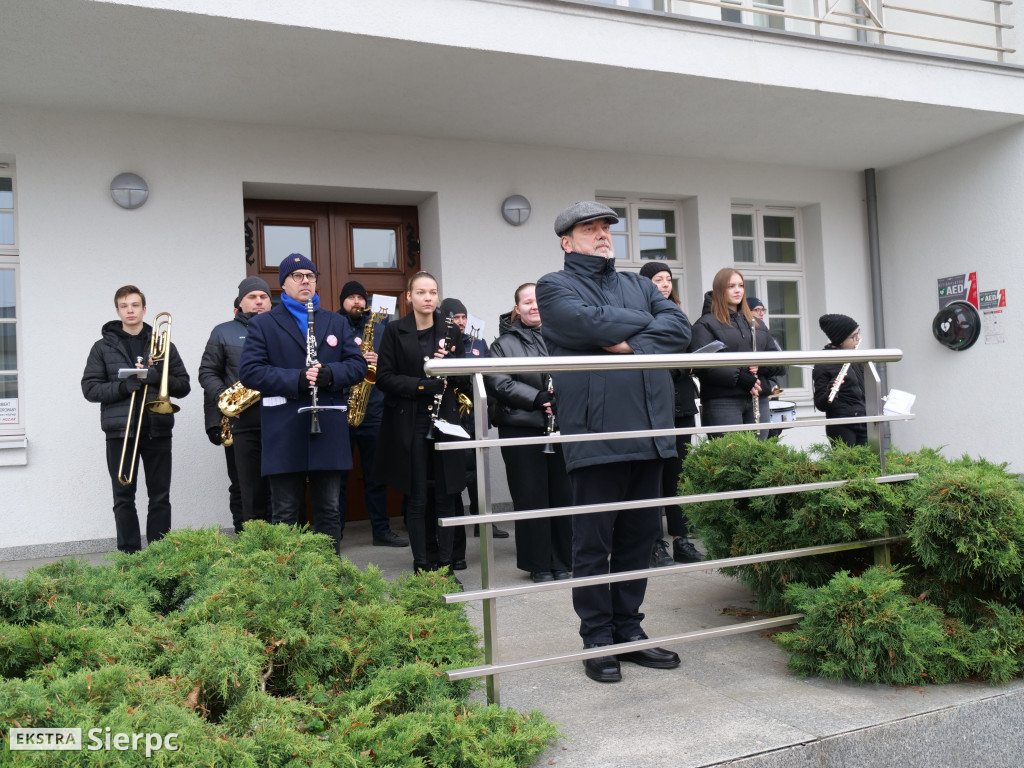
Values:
[(515, 209), (129, 190)]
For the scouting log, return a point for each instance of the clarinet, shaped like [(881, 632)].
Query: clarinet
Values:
[(550, 428), (314, 427), (450, 329)]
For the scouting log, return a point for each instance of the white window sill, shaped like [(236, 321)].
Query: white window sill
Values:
[(13, 451)]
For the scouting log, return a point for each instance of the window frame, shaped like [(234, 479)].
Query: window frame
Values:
[(632, 262), (760, 271), (10, 260), (745, 9)]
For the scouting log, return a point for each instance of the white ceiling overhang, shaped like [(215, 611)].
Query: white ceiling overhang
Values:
[(105, 56)]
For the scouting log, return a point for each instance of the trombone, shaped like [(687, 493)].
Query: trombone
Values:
[(159, 351)]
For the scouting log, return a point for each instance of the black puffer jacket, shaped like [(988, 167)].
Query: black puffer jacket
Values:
[(723, 382), (588, 306), (101, 385), (850, 397), (516, 394), (219, 370)]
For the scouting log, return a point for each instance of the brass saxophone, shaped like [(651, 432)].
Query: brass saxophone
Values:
[(359, 395), (232, 402)]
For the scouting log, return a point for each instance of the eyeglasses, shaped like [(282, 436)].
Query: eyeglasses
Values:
[(758, 311), (298, 277)]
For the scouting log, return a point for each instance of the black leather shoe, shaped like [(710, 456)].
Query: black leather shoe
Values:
[(603, 669), (684, 552), (539, 576), (459, 565), (390, 539), (560, 575), (655, 658), (496, 532)]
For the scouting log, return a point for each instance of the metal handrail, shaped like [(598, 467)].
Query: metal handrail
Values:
[(477, 367)]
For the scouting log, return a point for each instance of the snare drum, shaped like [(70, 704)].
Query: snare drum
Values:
[(782, 410)]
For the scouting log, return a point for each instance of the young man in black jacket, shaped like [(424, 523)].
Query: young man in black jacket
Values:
[(589, 308), (126, 343), (248, 490)]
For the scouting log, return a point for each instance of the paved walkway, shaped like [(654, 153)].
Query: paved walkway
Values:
[(732, 701)]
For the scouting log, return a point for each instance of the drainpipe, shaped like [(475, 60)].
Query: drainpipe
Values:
[(877, 313)]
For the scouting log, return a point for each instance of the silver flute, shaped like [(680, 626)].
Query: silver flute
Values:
[(755, 398), (839, 379)]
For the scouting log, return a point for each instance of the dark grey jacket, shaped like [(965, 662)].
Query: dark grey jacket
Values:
[(101, 385), (515, 395), (219, 370), (588, 306)]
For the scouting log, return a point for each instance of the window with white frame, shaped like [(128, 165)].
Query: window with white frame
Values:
[(744, 13), (648, 230), (766, 249), (10, 415)]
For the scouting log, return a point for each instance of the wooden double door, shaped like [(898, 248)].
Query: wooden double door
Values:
[(378, 245)]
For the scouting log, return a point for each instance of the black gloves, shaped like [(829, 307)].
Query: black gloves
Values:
[(542, 397), (746, 380), (431, 386), (324, 377), (153, 374), (214, 434), (131, 384)]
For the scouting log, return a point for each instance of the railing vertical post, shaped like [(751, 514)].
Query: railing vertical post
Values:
[(483, 490), (883, 555), (997, 12)]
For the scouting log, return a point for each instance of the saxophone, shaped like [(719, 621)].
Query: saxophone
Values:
[(232, 402), (359, 395)]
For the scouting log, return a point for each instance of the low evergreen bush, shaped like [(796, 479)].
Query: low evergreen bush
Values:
[(951, 608), (265, 650)]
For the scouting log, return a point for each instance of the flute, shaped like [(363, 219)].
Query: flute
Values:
[(839, 379)]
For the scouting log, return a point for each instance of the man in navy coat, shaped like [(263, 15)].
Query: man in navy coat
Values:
[(590, 308), (274, 362)]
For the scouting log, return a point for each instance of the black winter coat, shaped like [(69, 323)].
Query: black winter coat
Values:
[(588, 306), (101, 385), (399, 375), (850, 397), (515, 395), (218, 370), (722, 382)]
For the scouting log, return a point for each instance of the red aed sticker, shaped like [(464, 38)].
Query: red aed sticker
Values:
[(332, 340)]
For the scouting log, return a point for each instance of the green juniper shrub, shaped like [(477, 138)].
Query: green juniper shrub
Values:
[(867, 629), (265, 650), (861, 509)]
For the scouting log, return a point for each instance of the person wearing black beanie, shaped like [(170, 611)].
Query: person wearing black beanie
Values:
[(843, 333)]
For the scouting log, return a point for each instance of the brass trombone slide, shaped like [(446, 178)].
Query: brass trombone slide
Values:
[(159, 351)]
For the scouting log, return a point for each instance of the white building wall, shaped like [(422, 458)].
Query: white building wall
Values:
[(184, 249), (956, 212)]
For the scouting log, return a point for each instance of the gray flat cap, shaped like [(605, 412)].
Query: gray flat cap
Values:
[(581, 212)]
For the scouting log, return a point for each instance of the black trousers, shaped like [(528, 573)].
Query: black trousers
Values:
[(720, 411), (538, 480), (364, 437), (676, 521), (288, 494), (427, 473), (851, 434), (155, 455), (612, 542), (234, 495), (253, 487)]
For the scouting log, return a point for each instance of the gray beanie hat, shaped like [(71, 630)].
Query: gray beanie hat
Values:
[(248, 285)]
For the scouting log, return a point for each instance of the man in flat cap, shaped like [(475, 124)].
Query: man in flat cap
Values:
[(591, 309)]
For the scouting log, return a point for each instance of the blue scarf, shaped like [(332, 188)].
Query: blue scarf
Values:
[(298, 311)]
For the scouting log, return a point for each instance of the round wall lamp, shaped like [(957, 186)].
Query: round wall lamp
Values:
[(515, 209), (129, 190)]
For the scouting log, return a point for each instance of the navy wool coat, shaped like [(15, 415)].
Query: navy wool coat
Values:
[(588, 306), (273, 361)]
